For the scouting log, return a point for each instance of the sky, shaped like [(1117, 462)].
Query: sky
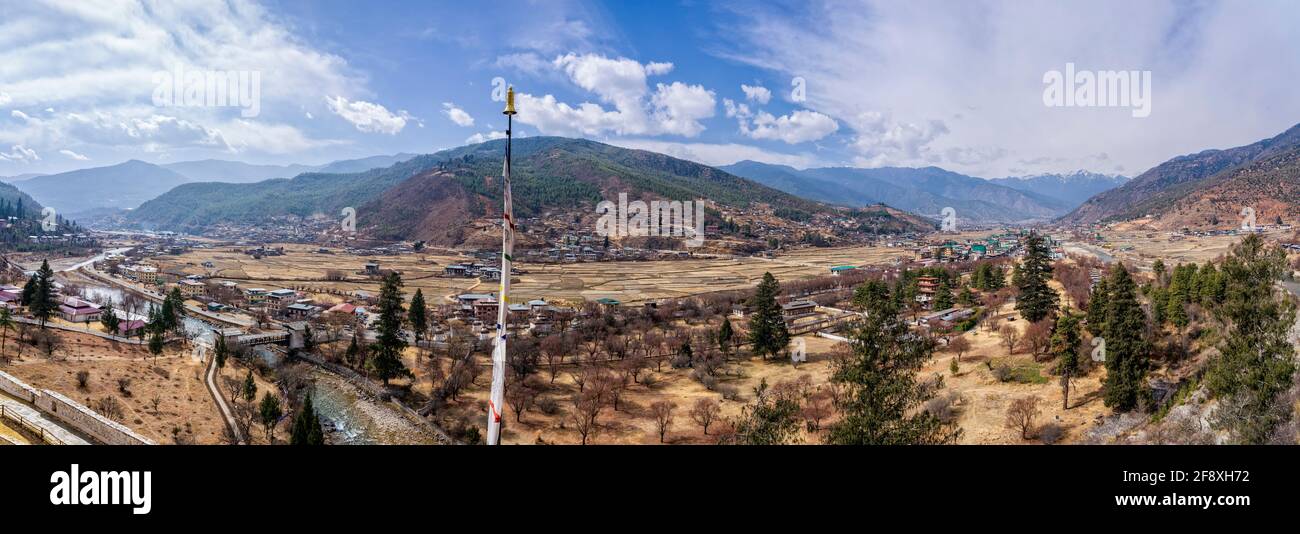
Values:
[(955, 84)]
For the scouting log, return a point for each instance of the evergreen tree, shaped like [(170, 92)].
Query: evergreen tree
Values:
[(725, 333), (767, 331), (221, 352), (1097, 304), (1177, 297), (43, 302), (1065, 347), (1256, 361), (882, 395), (1126, 344), (966, 297), (156, 343), (108, 318), (29, 291), (1037, 299), (1158, 267), (270, 412), (418, 315), (249, 390), (387, 362), (943, 297), (997, 278), (306, 426)]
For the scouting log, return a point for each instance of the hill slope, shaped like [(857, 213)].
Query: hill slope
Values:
[(122, 186), (925, 191), (429, 197), (1158, 189)]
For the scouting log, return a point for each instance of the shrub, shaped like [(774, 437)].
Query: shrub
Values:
[(1051, 433)]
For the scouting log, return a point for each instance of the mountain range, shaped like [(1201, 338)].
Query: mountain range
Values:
[(100, 190), (433, 197), (928, 190), (1205, 188)]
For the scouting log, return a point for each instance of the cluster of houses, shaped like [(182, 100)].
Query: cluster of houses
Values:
[(536, 315)]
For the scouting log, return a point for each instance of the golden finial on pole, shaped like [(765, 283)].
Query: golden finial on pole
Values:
[(510, 101)]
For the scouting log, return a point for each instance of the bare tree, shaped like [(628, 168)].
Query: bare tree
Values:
[(1038, 337), (663, 414), (705, 412), (586, 407), (1010, 335), (817, 408), (1021, 415), (958, 346)]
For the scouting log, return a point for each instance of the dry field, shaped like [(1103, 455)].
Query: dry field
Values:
[(302, 266), (175, 380)]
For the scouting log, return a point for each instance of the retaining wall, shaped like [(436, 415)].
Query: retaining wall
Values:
[(72, 413)]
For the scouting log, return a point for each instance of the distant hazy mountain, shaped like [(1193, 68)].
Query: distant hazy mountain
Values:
[(100, 190), (363, 164), (1071, 189), (925, 191), (125, 185), (216, 170), (18, 178)]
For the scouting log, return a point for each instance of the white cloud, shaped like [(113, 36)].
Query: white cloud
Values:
[(717, 154), (20, 154), (368, 117), (757, 93), (5, 99), (73, 155), (457, 115), (673, 109), (680, 107), (800, 126), (481, 137), (983, 60)]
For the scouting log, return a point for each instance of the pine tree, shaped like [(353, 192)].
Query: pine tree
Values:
[(418, 315), (767, 330), (108, 318), (966, 297), (270, 412), (387, 363), (1126, 344), (249, 390), (725, 333), (879, 406), (943, 296), (1065, 347), (1097, 304), (306, 426), (43, 303), (1256, 361), (1037, 299), (221, 352)]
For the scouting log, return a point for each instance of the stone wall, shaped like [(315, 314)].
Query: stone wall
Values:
[(13, 386), (101, 428), (72, 413)]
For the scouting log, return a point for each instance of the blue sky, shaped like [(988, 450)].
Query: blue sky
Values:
[(953, 84)]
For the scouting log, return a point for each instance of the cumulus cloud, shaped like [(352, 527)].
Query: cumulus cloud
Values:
[(5, 99), (73, 155), (757, 93), (457, 115), (621, 84), (367, 116), (797, 127), (20, 154)]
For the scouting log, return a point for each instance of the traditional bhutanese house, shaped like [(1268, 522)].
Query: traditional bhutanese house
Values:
[(456, 270), (798, 308), (485, 310), (607, 303), (344, 308), (841, 269), (281, 298), (130, 328), (78, 311), (927, 284), (518, 315), (255, 295), (300, 311)]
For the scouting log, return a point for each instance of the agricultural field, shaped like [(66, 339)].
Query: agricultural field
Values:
[(627, 281)]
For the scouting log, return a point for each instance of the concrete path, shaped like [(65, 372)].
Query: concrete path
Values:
[(211, 381)]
